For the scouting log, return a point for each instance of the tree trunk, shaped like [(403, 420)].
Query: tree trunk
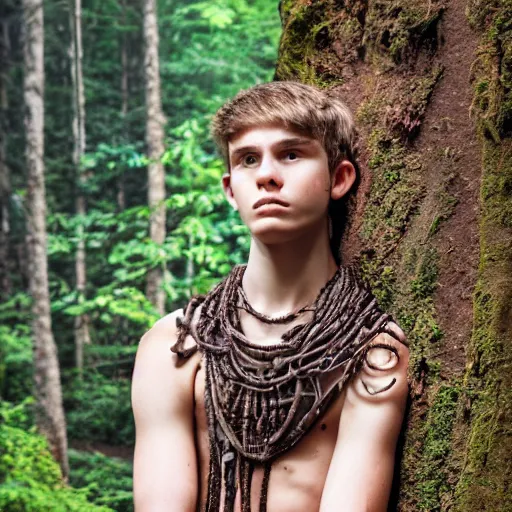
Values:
[(155, 142), (432, 230), (121, 199), (190, 270), (5, 182), (49, 412), (82, 336)]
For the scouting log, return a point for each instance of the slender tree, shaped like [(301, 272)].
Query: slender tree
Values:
[(5, 185), (155, 142), (49, 411), (76, 55), (121, 199)]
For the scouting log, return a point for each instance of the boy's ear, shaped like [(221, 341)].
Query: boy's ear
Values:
[(228, 192), (342, 179)]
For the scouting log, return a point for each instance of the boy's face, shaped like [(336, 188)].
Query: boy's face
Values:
[(279, 181)]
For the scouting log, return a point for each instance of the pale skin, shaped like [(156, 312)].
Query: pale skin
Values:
[(345, 463)]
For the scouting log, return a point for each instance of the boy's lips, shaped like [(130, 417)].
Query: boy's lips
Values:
[(269, 200)]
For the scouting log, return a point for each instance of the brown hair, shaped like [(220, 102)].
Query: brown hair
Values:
[(312, 111), (307, 109)]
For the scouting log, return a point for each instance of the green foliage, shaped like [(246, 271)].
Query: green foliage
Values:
[(214, 49), (99, 409), (205, 239), (208, 52), (15, 362), (15, 349), (30, 480), (108, 481), (19, 415)]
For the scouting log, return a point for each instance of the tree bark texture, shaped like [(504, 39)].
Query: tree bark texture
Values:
[(121, 199), (82, 336), (430, 85), (49, 411), (155, 122), (5, 182)]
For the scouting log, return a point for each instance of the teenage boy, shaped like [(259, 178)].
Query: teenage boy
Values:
[(286, 385)]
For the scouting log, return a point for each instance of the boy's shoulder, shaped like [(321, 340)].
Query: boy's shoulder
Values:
[(383, 376), (154, 352)]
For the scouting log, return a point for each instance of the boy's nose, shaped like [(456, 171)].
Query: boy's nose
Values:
[(268, 174)]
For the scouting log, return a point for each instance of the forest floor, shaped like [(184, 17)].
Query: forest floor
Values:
[(121, 452)]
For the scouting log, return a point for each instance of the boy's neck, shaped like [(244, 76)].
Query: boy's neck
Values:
[(281, 278)]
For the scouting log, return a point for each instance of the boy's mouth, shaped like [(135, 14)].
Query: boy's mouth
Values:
[(269, 200)]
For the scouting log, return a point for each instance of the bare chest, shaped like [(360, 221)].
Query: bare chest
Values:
[(297, 477)]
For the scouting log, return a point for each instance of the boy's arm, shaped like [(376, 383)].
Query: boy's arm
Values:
[(361, 469), (165, 467)]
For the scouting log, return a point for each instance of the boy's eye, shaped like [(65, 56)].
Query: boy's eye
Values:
[(291, 155), (249, 160)]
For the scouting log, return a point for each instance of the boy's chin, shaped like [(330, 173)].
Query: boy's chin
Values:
[(278, 235)]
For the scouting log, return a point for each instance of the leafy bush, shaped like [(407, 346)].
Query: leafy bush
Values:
[(16, 369), (31, 479), (99, 409), (108, 480)]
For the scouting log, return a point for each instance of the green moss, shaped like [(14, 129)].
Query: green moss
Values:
[(415, 306), (401, 264), (395, 192), (486, 482), (307, 52), (394, 201), (447, 204), (403, 275), (398, 230), (302, 23), (320, 38), (432, 471), (492, 102), (399, 112), (399, 29), (425, 282), (285, 9), (369, 111), (405, 114)]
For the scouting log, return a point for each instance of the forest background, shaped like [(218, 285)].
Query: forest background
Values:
[(430, 83), (102, 244)]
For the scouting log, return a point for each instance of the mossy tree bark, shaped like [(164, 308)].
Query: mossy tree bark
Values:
[(430, 85)]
